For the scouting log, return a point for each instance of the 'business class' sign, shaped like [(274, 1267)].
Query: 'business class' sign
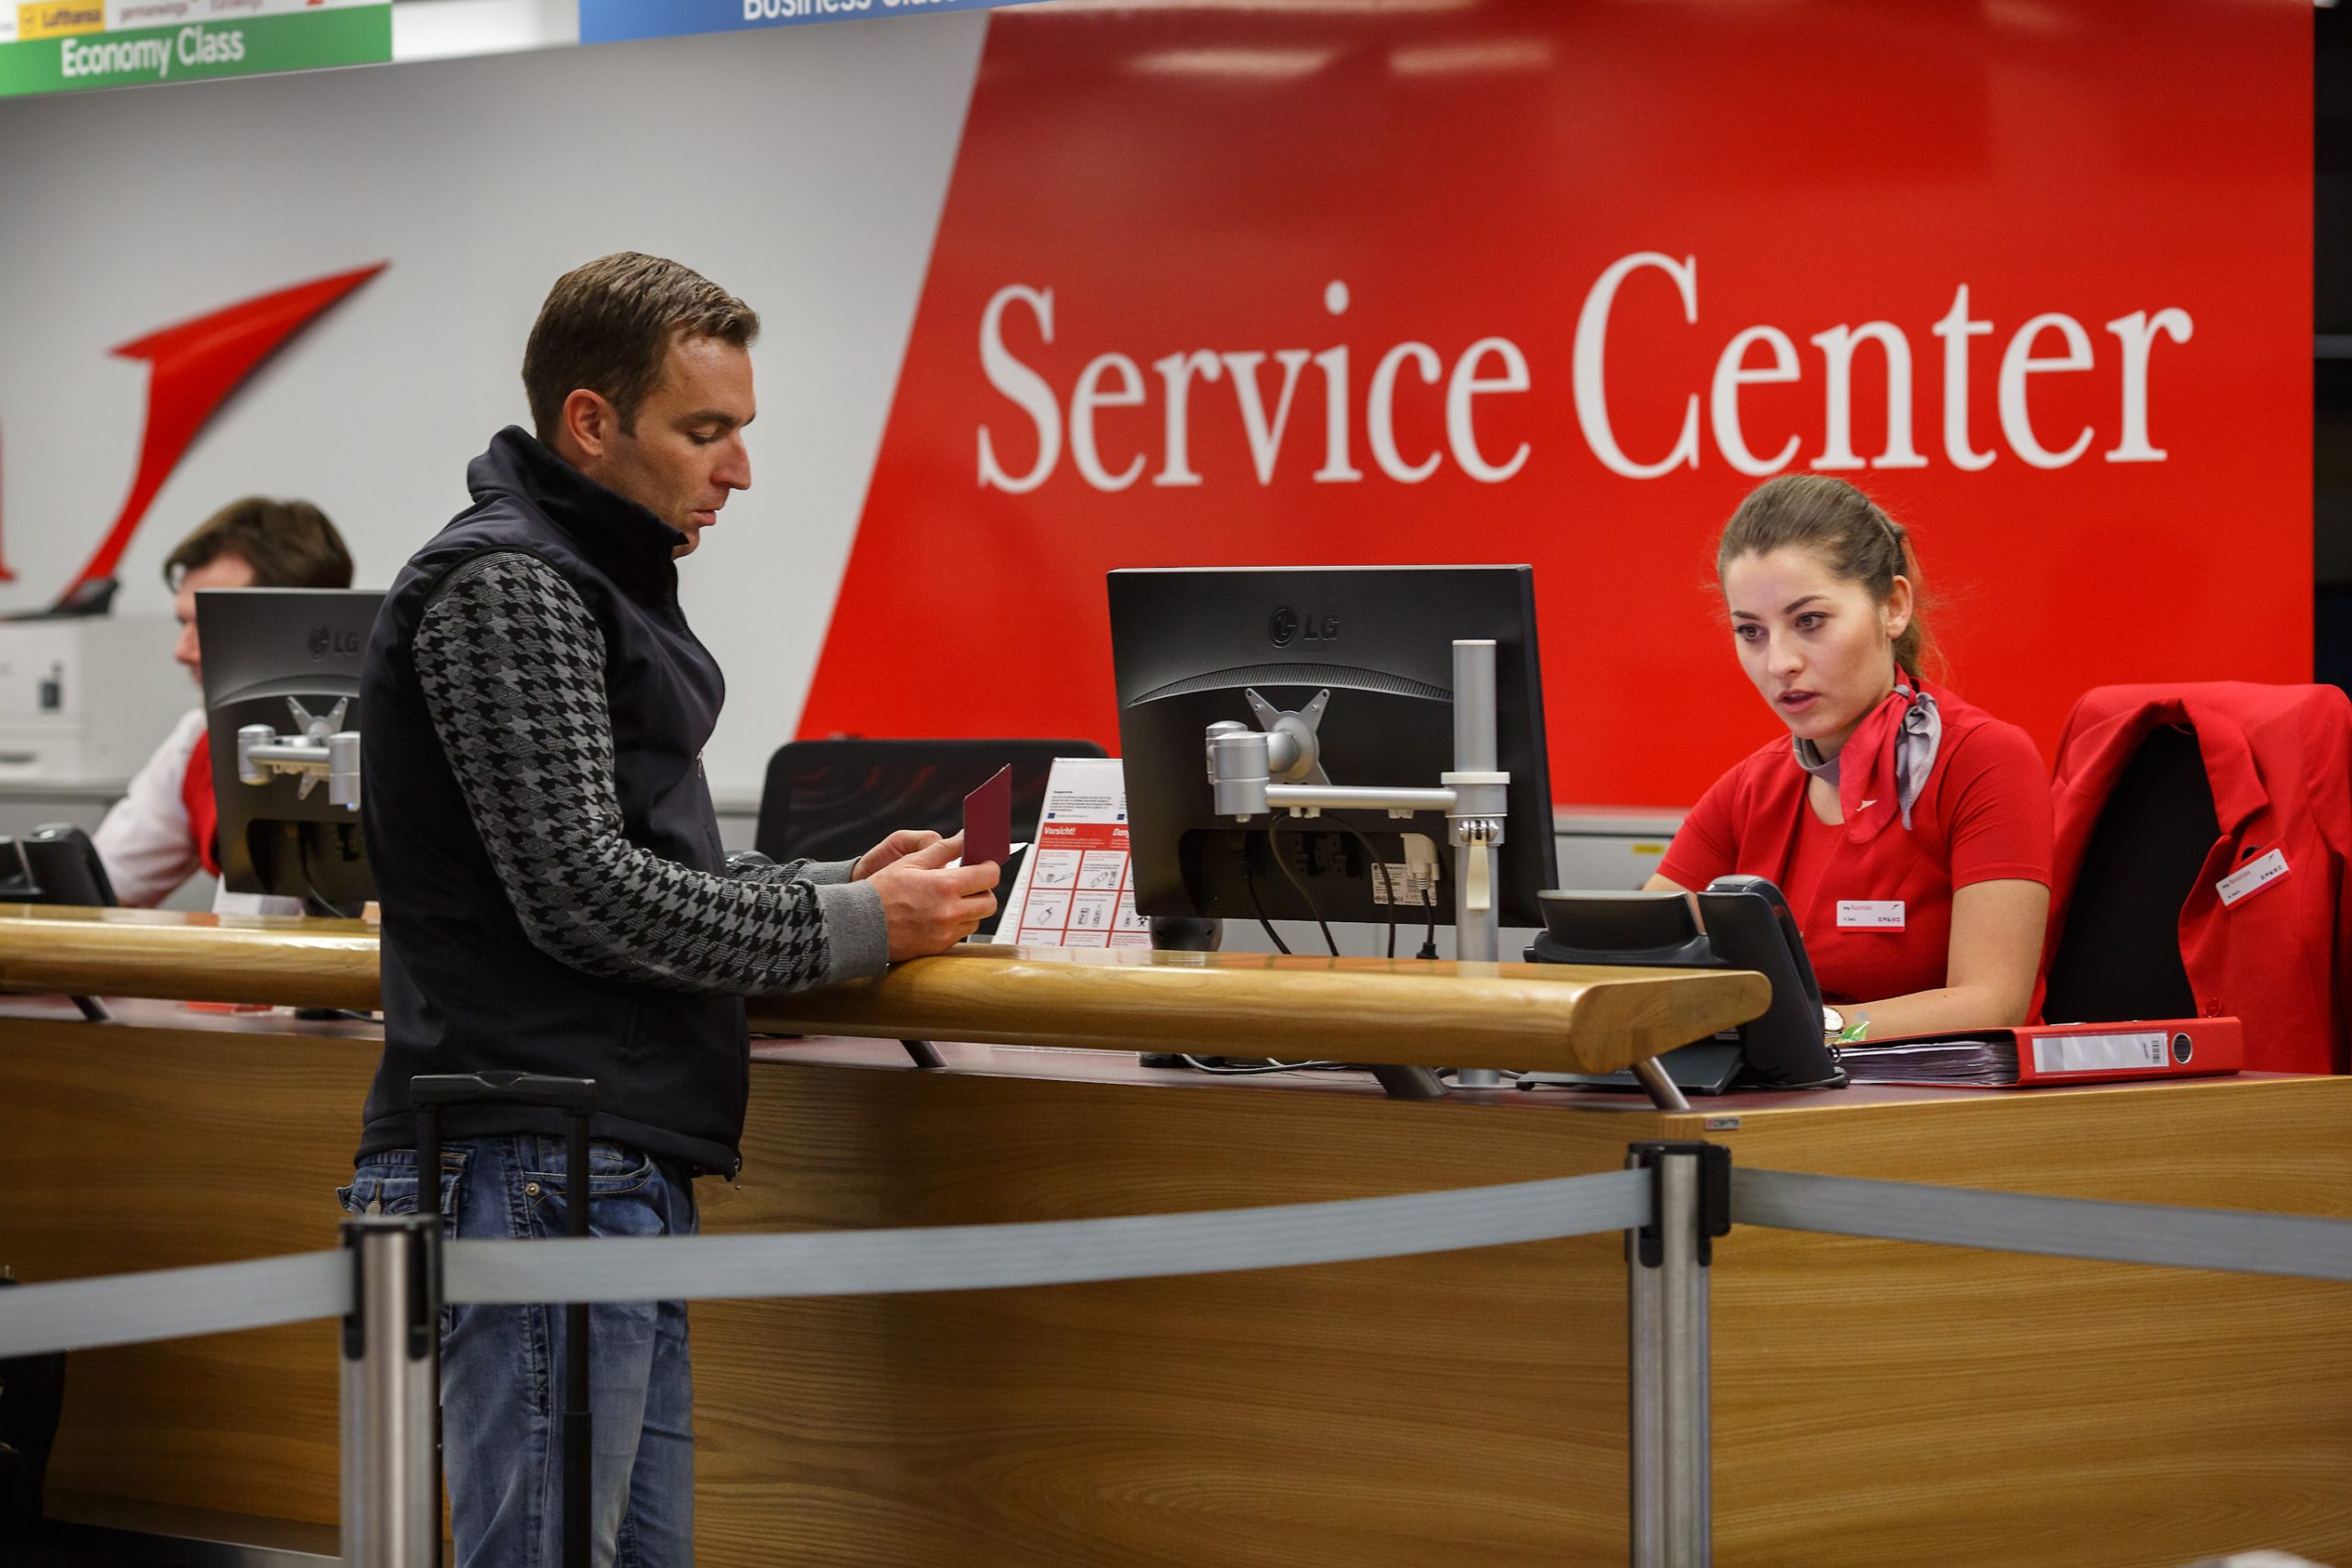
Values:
[(612, 21)]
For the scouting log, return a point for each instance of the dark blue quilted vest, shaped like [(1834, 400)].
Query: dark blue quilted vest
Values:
[(464, 988)]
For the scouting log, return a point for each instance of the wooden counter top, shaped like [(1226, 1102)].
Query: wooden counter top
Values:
[(1557, 1018)]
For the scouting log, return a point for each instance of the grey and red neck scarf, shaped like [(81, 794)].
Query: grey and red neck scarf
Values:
[(1893, 748)]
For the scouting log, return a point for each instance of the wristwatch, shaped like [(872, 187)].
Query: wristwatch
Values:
[(1841, 1029)]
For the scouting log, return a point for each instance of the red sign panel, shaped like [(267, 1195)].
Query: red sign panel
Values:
[(1464, 282)]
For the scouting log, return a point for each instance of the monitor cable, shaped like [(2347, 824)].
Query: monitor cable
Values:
[(1226, 1068), (1273, 841), (302, 858), (1249, 881), (1427, 896), (1429, 937), (328, 1015), (1380, 871)]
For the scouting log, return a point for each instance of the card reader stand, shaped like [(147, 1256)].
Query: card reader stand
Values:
[(1739, 923)]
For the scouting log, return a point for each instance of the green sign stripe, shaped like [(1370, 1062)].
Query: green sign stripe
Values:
[(297, 41)]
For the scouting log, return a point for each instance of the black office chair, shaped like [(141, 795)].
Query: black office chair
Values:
[(2118, 953), (836, 799)]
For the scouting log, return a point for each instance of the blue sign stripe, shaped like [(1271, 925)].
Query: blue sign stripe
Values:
[(610, 21)]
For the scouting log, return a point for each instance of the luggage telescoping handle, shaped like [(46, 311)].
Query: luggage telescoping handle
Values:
[(576, 1098)]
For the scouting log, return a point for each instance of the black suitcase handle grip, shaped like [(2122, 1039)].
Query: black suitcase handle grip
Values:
[(576, 1096)]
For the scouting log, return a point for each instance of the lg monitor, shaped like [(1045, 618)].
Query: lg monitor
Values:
[(281, 696), (1365, 655)]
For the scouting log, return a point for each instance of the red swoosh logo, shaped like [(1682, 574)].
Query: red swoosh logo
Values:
[(196, 368)]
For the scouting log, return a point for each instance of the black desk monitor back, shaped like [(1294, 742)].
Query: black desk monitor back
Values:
[(1189, 647), (270, 656)]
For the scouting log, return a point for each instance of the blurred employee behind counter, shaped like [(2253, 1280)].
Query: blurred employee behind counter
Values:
[(156, 836)]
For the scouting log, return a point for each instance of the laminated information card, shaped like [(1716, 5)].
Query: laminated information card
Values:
[(1073, 890)]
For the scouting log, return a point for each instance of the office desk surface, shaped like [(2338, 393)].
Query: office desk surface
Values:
[(1874, 1403)]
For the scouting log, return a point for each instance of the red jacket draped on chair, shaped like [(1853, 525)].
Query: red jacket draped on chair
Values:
[(2280, 761)]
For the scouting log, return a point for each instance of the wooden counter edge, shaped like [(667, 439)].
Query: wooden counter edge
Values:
[(1593, 1021), (1502, 1015), (197, 960)]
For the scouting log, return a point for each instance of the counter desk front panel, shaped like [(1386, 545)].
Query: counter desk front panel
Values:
[(1874, 1401)]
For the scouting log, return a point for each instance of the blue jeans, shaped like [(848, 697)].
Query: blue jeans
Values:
[(502, 1367)]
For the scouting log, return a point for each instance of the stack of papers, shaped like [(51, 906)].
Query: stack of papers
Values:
[(1989, 1063)]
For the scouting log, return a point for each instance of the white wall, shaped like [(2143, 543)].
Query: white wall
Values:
[(803, 168)]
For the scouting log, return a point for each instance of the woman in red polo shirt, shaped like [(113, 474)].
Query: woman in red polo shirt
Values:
[(1910, 831)]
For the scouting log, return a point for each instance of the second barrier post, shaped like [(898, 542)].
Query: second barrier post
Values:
[(392, 1492), (1667, 1263)]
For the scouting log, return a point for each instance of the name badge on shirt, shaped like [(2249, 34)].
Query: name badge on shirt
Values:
[(2252, 877), (1870, 914)]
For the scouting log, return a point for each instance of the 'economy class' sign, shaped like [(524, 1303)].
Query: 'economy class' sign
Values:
[(54, 46)]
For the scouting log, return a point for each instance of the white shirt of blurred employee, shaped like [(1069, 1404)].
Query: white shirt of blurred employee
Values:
[(161, 832)]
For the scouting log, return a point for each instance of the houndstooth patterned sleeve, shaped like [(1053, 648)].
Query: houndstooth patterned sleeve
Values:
[(513, 670)]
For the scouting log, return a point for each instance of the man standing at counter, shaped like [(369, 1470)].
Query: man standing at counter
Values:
[(555, 900)]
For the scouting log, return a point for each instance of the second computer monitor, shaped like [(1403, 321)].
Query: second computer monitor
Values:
[(271, 657), (1189, 645)]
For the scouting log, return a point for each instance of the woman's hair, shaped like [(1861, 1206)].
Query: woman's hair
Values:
[(1846, 529)]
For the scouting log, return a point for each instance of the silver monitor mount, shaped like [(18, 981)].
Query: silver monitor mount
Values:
[(1245, 765), (320, 748)]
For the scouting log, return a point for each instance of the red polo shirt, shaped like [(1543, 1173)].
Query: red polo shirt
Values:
[(1984, 816)]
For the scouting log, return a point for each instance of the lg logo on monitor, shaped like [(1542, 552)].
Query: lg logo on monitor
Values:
[(326, 639), (1287, 626)]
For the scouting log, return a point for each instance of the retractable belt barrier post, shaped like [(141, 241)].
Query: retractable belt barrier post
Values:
[(1666, 1261), (391, 1392)]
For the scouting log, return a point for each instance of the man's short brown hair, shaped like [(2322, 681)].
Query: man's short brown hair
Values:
[(289, 543), (608, 325)]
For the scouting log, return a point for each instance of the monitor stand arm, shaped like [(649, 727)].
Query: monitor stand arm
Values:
[(320, 748), (1242, 763)]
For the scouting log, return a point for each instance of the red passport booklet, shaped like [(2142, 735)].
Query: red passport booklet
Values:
[(987, 822), (2052, 1054)]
